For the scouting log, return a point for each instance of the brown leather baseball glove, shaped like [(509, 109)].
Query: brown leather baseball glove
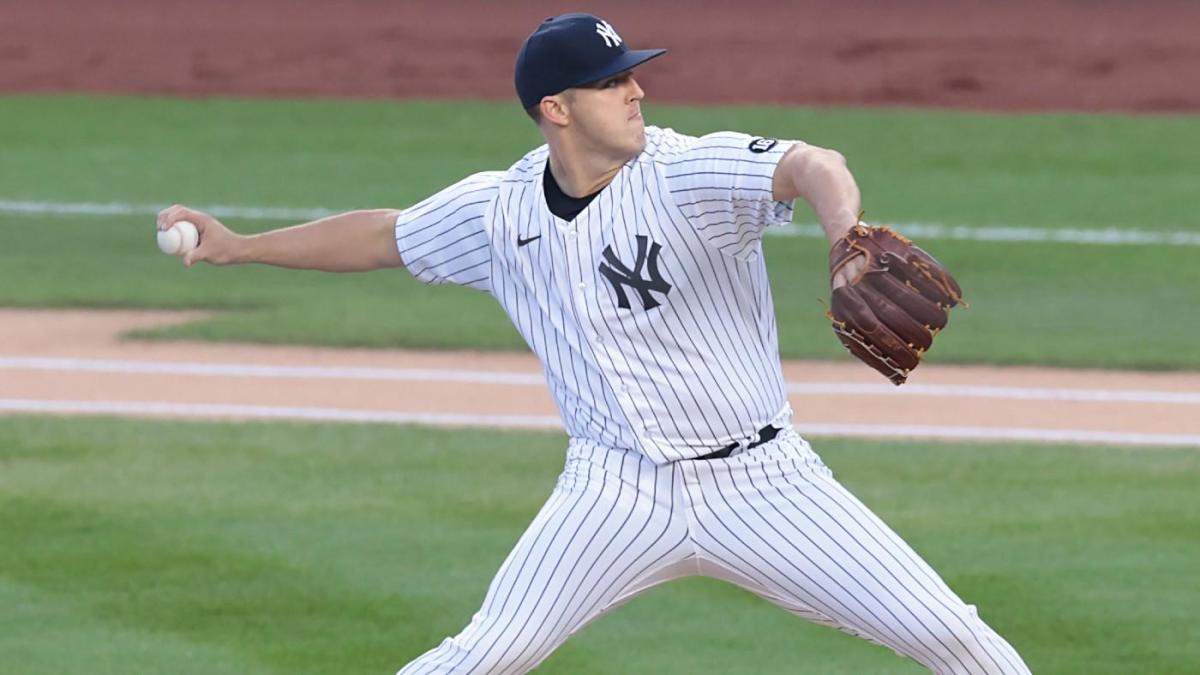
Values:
[(888, 314)]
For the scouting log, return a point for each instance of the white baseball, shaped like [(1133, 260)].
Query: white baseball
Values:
[(181, 238)]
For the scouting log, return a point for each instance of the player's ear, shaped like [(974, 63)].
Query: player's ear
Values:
[(555, 110)]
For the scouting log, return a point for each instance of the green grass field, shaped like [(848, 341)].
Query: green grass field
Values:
[(136, 547), (261, 548), (1079, 305)]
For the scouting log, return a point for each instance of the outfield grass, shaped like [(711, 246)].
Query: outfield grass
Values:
[(1046, 170), (1071, 306), (163, 547), (1128, 306)]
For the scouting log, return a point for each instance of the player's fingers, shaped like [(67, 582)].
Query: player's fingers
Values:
[(202, 221), (194, 256), (850, 271), (177, 212), (165, 217), (173, 214)]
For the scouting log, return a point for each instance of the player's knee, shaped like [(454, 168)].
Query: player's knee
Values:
[(962, 644)]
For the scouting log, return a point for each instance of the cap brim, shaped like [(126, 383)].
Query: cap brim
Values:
[(630, 59)]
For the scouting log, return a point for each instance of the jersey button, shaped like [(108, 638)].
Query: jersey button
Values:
[(582, 285)]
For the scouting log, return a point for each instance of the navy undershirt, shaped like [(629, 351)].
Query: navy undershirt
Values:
[(561, 204)]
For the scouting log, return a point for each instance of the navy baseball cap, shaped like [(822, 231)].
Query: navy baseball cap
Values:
[(571, 50)]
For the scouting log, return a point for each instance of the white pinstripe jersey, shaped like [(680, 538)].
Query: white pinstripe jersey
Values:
[(650, 310)]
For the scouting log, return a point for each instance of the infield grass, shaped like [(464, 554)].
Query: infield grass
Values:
[(169, 547), (1063, 304)]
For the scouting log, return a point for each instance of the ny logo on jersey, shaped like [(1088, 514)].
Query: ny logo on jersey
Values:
[(620, 276), (611, 39)]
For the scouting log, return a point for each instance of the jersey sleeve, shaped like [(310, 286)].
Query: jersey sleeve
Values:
[(723, 182), (445, 239)]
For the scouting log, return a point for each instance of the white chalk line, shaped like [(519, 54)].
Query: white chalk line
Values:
[(248, 370), (201, 410), (1109, 236), (998, 434), (532, 379), (1011, 393), (128, 209), (209, 410)]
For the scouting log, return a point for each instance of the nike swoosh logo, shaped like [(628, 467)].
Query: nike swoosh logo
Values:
[(521, 242)]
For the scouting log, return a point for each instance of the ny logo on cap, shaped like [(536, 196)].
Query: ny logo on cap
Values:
[(606, 31)]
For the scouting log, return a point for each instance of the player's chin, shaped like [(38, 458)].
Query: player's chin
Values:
[(637, 136)]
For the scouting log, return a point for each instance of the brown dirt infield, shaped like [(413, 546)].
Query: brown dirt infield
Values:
[(1013, 55), (35, 336)]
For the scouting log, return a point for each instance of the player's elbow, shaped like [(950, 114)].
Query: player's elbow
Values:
[(387, 253), (811, 171), (826, 160), (804, 168)]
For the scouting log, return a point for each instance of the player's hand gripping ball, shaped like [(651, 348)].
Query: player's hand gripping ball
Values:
[(889, 313), (179, 239)]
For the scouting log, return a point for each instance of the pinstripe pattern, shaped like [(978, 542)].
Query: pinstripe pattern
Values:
[(643, 386), (609, 531), (776, 522), (443, 239), (771, 519), (698, 371)]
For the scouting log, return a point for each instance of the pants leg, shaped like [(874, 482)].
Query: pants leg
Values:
[(775, 521), (606, 533)]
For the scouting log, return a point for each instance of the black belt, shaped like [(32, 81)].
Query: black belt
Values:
[(764, 434)]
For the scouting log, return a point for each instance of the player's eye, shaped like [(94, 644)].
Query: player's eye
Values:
[(614, 81)]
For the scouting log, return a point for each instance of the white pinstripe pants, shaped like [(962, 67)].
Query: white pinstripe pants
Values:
[(771, 519)]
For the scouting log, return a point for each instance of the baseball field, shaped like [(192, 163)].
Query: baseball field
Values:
[(199, 537)]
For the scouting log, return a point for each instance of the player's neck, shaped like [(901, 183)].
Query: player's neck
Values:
[(579, 175)]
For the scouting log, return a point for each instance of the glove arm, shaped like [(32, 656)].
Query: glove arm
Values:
[(820, 177)]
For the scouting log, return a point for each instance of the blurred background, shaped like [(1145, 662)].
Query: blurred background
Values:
[(251, 470)]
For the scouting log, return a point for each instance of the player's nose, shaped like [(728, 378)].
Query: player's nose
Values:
[(636, 93)]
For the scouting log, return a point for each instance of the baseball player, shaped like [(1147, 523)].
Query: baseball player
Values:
[(630, 259)]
